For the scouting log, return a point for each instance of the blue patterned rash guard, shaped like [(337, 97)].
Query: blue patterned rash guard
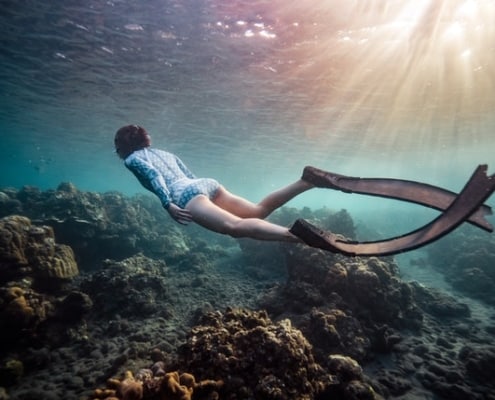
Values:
[(165, 175)]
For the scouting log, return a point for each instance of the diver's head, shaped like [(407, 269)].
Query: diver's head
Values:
[(130, 138)]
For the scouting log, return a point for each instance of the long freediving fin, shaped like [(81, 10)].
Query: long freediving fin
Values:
[(399, 189), (475, 192)]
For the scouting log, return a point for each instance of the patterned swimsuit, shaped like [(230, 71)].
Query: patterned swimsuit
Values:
[(166, 175)]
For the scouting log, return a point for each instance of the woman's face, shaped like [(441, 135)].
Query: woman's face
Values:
[(119, 152), (119, 147)]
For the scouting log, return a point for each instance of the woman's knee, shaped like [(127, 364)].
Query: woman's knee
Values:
[(262, 211), (245, 227), (232, 229)]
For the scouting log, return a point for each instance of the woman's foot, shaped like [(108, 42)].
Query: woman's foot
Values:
[(321, 178)]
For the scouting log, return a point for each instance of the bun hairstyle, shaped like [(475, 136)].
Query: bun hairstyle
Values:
[(130, 138)]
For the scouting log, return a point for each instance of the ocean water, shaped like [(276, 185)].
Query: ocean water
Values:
[(248, 92)]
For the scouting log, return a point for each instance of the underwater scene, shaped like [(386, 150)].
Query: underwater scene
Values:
[(369, 276)]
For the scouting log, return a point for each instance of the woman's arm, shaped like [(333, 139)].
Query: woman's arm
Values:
[(151, 179)]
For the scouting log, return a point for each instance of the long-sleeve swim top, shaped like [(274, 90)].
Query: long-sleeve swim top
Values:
[(157, 170)]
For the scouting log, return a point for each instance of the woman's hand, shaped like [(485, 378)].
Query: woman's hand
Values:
[(181, 215)]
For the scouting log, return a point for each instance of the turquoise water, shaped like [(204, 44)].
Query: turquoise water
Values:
[(249, 92)]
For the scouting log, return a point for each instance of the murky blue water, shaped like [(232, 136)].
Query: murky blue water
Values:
[(249, 92)]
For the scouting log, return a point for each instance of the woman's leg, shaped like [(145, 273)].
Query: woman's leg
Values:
[(211, 216), (246, 209)]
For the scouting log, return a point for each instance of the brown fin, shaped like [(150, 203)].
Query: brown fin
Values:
[(399, 189), (475, 192)]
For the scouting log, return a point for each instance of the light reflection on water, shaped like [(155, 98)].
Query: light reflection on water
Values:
[(248, 91)]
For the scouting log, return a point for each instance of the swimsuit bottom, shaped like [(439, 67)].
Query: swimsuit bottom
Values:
[(186, 189)]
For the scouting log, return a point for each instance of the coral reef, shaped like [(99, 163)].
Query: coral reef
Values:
[(130, 288), (34, 273), (23, 308), (466, 257), (334, 331), (354, 304), (259, 359), (101, 226), (340, 222), (31, 251), (144, 282)]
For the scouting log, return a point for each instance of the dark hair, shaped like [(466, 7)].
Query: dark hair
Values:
[(130, 138)]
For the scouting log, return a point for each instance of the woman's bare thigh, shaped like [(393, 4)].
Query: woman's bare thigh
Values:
[(211, 216), (235, 204)]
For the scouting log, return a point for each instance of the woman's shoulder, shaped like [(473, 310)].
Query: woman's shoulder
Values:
[(162, 154), (149, 154), (134, 157)]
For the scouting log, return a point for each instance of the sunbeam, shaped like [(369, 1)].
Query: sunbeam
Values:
[(401, 74)]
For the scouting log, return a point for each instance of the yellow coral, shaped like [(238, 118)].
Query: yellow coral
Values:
[(172, 389), (13, 293), (130, 389), (187, 380), (175, 387), (106, 394), (125, 389), (20, 310)]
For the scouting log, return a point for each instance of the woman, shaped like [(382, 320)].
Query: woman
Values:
[(202, 200)]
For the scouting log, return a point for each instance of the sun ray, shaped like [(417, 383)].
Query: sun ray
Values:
[(384, 76)]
